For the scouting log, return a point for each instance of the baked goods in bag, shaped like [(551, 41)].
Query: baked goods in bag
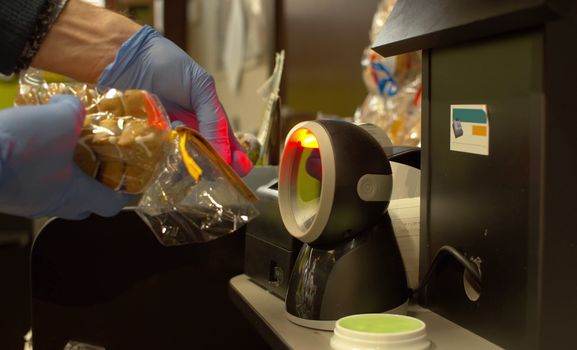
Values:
[(188, 193), (124, 135)]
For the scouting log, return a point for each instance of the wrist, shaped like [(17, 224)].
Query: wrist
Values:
[(83, 41)]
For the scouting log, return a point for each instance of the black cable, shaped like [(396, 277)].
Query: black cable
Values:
[(448, 251)]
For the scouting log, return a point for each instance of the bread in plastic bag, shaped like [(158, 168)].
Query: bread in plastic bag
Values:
[(124, 135), (188, 193)]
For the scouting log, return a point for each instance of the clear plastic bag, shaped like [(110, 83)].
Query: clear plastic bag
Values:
[(188, 193), (124, 135), (196, 196)]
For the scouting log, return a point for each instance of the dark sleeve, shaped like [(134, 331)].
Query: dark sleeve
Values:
[(23, 25)]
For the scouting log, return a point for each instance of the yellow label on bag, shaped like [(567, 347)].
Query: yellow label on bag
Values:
[(186, 135), (193, 169)]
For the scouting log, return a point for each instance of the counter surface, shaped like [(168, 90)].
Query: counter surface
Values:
[(266, 312)]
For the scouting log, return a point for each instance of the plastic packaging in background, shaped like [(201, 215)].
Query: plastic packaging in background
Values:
[(380, 17), (189, 194), (394, 88), (250, 144), (264, 148), (28, 340), (196, 196), (268, 134), (124, 135)]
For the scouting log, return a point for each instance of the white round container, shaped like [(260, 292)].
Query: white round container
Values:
[(380, 332)]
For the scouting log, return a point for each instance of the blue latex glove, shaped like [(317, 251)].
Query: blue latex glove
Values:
[(38, 176), (151, 62)]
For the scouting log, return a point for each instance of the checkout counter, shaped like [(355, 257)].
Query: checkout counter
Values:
[(267, 313)]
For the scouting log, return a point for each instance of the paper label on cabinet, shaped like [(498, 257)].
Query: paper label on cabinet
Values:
[(469, 129)]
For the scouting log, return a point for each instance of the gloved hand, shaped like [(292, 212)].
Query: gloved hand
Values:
[(38, 176), (151, 62)]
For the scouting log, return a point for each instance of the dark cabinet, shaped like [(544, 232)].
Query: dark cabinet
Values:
[(510, 210)]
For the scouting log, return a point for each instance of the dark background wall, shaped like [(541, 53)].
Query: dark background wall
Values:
[(324, 42)]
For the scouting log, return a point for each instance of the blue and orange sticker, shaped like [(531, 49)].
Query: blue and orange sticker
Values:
[(469, 129)]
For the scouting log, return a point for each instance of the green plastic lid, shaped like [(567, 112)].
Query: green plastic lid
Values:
[(379, 331), (381, 323)]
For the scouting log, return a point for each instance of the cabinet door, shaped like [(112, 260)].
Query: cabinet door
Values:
[(487, 205)]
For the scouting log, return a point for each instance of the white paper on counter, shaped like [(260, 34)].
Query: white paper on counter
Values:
[(406, 181), (405, 217)]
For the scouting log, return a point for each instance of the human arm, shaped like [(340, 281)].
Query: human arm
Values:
[(149, 61), (69, 37), (83, 41), (131, 56)]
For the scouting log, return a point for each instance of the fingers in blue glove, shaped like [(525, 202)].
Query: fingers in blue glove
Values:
[(241, 163), (87, 196), (38, 176), (176, 123), (151, 62)]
